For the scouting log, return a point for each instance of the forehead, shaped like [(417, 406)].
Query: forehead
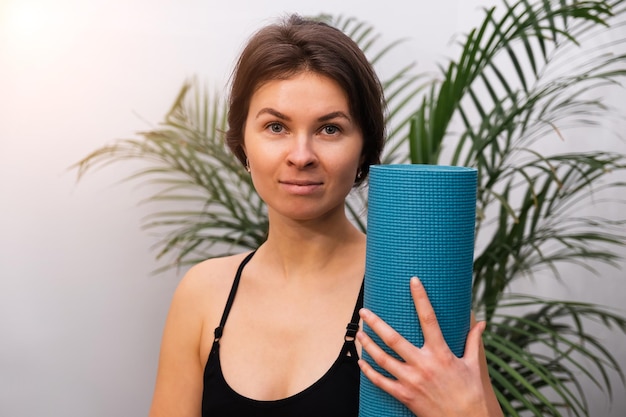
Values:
[(302, 88)]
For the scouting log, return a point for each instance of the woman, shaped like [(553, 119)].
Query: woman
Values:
[(264, 333)]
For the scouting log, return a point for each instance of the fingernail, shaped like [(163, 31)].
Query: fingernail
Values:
[(415, 281), (364, 312)]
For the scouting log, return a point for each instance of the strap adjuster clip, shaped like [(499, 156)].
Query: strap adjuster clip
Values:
[(218, 333), (352, 328)]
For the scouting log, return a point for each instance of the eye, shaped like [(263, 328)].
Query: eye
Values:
[(331, 129), (275, 127)]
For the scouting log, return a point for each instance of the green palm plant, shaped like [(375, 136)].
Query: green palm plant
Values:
[(491, 108), (532, 198)]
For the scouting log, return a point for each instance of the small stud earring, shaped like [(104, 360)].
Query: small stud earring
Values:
[(359, 174), (247, 165)]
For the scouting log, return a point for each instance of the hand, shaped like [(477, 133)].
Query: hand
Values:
[(431, 380)]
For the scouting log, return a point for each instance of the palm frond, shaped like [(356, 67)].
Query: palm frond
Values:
[(548, 346), (190, 167)]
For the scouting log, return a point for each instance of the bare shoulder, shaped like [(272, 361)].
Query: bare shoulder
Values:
[(213, 272), (206, 285), (194, 312)]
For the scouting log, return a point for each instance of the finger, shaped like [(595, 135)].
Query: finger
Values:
[(473, 344), (389, 336), (379, 356), (386, 384), (426, 314), (479, 352)]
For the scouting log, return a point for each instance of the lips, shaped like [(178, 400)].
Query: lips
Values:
[(301, 187), (303, 183)]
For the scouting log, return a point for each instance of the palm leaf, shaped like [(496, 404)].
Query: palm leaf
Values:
[(191, 167)]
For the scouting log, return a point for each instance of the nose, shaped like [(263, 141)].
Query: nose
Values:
[(302, 153)]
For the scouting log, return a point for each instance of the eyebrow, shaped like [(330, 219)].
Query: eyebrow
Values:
[(334, 115), (273, 112), (324, 118)]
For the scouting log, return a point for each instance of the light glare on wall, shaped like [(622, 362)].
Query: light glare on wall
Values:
[(23, 20)]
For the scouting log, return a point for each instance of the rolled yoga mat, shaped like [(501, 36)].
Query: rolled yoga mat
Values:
[(420, 222)]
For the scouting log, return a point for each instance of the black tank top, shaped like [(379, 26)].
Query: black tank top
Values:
[(336, 394)]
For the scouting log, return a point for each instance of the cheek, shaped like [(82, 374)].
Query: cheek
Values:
[(346, 169), (263, 163)]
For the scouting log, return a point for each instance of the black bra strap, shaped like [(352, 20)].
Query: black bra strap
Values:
[(353, 326), (231, 297)]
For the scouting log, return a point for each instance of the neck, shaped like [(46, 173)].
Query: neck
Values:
[(303, 248)]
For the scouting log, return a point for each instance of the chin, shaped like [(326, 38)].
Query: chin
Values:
[(304, 214)]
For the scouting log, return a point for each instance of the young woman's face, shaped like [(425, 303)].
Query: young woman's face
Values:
[(303, 146)]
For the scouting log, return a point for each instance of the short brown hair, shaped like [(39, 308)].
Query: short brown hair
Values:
[(281, 50)]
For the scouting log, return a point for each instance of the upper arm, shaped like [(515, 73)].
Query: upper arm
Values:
[(179, 381)]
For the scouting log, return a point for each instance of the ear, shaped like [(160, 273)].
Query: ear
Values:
[(362, 158), (245, 152)]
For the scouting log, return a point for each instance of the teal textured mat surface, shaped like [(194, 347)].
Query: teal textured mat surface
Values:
[(420, 222)]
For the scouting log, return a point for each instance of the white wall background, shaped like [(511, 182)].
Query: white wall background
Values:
[(80, 312)]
